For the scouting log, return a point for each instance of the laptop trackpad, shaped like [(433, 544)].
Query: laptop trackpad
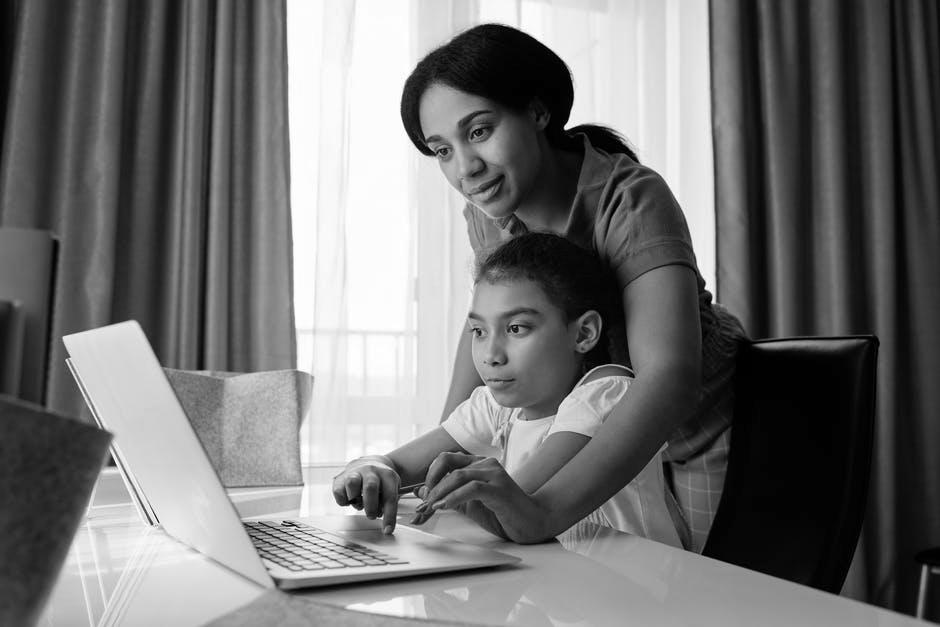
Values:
[(343, 523)]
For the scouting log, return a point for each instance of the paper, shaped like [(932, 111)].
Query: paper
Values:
[(248, 423), (48, 467)]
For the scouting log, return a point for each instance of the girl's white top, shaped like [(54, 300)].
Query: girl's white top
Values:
[(484, 427)]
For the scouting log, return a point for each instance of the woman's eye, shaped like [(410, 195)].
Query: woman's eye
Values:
[(515, 328), (442, 152), (476, 332), (479, 133)]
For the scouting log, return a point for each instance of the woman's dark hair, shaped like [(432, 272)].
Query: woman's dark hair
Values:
[(573, 279), (510, 67)]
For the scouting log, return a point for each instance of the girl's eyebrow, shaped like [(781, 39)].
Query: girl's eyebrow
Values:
[(461, 123), (508, 314)]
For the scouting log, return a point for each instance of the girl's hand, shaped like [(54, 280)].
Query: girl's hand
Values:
[(372, 485), (481, 488)]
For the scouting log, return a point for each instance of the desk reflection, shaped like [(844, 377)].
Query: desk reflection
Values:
[(581, 584), (120, 572)]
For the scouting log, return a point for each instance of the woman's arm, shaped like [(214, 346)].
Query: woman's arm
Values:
[(556, 451), (664, 337), (465, 378), (558, 448)]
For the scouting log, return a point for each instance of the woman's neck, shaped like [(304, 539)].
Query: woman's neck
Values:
[(548, 206)]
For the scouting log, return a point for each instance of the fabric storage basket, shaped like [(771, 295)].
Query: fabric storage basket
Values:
[(249, 423)]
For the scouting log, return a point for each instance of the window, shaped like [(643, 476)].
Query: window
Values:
[(382, 262)]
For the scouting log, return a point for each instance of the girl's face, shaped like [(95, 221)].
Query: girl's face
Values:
[(489, 153), (522, 347)]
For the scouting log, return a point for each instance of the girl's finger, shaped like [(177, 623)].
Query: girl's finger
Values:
[(370, 495), (389, 502), (352, 485), (339, 489)]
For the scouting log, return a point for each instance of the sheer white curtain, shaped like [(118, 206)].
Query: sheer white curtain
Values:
[(382, 261)]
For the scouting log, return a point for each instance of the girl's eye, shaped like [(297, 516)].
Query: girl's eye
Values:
[(479, 133), (515, 328), (442, 152), (476, 332)]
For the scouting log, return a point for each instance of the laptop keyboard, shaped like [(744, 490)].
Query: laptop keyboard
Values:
[(299, 547)]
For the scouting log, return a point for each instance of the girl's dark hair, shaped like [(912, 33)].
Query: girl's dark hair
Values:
[(573, 279), (510, 67)]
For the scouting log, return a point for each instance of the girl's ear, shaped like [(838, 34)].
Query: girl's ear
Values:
[(540, 113), (588, 325)]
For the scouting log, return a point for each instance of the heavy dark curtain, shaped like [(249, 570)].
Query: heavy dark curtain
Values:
[(151, 137), (827, 144)]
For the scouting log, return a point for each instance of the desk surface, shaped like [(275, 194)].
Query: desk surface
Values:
[(123, 573)]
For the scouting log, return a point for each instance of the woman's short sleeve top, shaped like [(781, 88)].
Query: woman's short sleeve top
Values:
[(625, 213), (622, 210)]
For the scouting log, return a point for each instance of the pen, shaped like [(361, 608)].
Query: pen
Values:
[(403, 490)]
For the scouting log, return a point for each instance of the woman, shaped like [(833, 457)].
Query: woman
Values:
[(491, 106)]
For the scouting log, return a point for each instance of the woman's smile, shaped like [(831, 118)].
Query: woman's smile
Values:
[(490, 153), (486, 191)]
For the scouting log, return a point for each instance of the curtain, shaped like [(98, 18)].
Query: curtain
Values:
[(151, 137), (827, 145), (353, 224), (383, 273)]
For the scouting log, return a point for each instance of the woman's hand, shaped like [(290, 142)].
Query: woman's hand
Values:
[(482, 489), (370, 484)]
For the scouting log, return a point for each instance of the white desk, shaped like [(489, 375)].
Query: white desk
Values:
[(120, 572)]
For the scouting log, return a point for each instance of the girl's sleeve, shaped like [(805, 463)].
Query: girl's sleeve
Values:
[(640, 225), (474, 423), (587, 406)]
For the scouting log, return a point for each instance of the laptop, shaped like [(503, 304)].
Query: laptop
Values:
[(167, 469)]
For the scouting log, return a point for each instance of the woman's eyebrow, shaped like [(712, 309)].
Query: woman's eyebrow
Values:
[(461, 123)]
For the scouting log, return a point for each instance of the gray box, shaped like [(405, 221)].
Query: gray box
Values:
[(249, 423)]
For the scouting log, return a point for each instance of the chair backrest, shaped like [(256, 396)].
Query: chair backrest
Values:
[(27, 276), (798, 468), (11, 346)]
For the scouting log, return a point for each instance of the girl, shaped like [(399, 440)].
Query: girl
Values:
[(491, 106), (536, 323)]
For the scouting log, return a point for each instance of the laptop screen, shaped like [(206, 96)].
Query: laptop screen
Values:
[(130, 394)]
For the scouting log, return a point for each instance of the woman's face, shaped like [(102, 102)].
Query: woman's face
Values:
[(489, 153)]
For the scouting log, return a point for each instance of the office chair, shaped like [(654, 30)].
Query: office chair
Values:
[(12, 334), (929, 560), (798, 467), (27, 277)]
